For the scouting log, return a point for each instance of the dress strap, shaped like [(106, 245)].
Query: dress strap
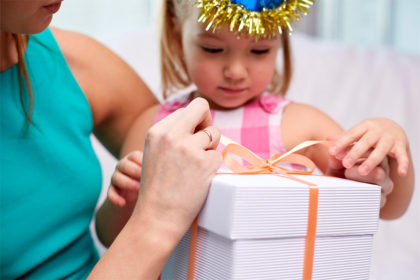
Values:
[(272, 103), (176, 102)]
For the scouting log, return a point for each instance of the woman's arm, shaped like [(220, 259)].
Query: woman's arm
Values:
[(178, 168)]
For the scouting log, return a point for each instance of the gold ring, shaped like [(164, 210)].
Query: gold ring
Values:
[(209, 135)]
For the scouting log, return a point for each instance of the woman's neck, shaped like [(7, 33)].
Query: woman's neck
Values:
[(8, 51)]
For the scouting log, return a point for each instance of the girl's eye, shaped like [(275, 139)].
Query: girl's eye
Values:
[(263, 51), (212, 50)]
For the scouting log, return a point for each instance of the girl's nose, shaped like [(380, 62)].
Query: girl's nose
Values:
[(235, 69)]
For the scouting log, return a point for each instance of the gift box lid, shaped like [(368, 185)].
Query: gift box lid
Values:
[(272, 206)]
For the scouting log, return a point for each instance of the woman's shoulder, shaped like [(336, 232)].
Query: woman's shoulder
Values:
[(109, 83), (71, 43), (84, 52)]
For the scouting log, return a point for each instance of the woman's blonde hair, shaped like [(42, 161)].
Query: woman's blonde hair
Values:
[(23, 76), (173, 68)]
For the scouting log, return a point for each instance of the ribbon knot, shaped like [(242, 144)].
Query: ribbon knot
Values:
[(269, 164), (257, 165)]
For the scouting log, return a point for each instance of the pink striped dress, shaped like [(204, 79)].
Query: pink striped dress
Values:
[(256, 125)]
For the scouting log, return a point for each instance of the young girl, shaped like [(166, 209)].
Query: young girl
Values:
[(234, 70)]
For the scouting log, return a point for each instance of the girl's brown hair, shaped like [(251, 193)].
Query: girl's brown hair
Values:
[(23, 76), (173, 68)]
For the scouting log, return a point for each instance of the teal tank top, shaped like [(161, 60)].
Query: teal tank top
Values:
[(50, 177)]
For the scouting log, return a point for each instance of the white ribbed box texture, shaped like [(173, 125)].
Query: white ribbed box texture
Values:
[(254, 227)]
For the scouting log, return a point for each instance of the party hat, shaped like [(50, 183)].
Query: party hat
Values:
[(259, 18)]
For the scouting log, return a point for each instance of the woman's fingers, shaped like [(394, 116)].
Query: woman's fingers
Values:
[(207, 138), (197, 115), (194, 117), (179, 164)]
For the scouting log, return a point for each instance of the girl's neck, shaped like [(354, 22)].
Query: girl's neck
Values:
[(8, 51)]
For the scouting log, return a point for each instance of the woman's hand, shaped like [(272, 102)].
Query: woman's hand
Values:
[(180, 162), (125, 181)]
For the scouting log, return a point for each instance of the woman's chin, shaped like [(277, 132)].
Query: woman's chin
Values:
[(37, 27)]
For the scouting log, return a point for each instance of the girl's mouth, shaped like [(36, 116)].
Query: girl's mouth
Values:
[(232, 90)]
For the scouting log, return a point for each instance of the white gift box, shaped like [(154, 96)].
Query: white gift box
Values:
[(254, 227)]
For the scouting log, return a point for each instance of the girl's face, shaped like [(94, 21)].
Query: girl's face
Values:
[(228, 70), (27, 16)]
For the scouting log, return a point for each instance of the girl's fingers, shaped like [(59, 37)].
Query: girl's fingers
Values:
[(115, 197), (136, 156), (347, 139), (335, 167), (124, 182), (376, 157), (383, 200), (129, 168), (399, 152), (378, 176), (359, 148)]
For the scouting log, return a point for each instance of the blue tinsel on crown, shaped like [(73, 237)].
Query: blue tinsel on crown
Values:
[(258, 5)]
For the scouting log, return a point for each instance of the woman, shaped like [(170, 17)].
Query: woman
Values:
[(58, 87)]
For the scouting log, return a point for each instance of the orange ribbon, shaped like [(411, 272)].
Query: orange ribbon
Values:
[(270, 166)]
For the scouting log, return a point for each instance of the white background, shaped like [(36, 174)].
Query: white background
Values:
[(392, 23)]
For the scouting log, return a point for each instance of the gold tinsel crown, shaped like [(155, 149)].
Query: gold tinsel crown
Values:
[(261, 18)]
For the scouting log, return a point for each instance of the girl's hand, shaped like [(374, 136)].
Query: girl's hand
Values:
[(379, 137), (125, 182), (380, 175)]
